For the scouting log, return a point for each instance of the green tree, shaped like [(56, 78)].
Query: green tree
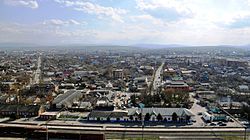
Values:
[(147, 117), (159, 117), (174, 117)]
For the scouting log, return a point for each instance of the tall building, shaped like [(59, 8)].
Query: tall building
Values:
[(118, 74)]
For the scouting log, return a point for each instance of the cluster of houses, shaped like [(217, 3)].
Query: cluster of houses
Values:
[(146, 114), (167, 115), (13, 111), (95, 83)]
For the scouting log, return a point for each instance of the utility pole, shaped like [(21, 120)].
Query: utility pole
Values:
[(47, 133), (243, 126), (245, 136), (142, 123), (46, 123)]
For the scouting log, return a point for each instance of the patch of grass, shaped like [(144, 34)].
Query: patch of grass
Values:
[(68, 116), (233, 138), (134, 138), (152, 138), (146, 138)]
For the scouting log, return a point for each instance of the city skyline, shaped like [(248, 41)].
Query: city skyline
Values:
[(63, 22)]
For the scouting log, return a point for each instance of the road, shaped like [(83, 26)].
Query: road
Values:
[(205, 131), (198, 109), (37, 75), (124, 131), (128, 128), (157, 78)]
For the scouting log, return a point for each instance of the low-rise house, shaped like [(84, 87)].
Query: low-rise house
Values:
[(12, 110), (206, 94), (3, 99), (141, 83), (44, 88), (100, 92), (243, 88), (141, 80), (169, 72), (180, 86), (67, 99), (49, 115), (167, 114), (66, 86), (148, 114), (108, 116), (85, 73), (118, 74), (147, 70), (210, 117)]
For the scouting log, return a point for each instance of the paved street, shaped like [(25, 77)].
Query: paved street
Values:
[(157, 78), (37, 72), (196, 109), (128, 128), (129, 131)]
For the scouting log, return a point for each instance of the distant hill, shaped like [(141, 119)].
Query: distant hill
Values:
[(182, 49), (89, 47), (161, 46), (17, 45), (158, 46), (136, 47), (245, 47)]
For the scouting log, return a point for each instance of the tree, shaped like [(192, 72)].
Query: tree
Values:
[(188, 118), (133, 99), (159, 117), (147, 117), (131, 117), (175, 97), (174, 117), (140, 116)]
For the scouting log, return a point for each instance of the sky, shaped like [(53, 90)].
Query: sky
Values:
[(125, 22)]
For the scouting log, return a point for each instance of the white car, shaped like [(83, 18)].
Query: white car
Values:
[(245, 122)]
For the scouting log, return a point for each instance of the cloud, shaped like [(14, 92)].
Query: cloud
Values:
[(169, 10), (58, 22), (123, 34), (91, 8), (190, 22), (40, 33), (74, 22), (146, 18), (26, 3), (239, 22)]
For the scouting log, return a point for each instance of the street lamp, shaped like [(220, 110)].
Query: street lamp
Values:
[(142, 121), (47, 133), (49, 119), (245, 137)]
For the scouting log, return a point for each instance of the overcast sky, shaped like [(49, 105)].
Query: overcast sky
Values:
[(125, 22)]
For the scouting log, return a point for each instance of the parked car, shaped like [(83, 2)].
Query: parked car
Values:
[(223, 124), (220, 122), (231, 120), (212, 124), (199, 113), (244, 122)]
